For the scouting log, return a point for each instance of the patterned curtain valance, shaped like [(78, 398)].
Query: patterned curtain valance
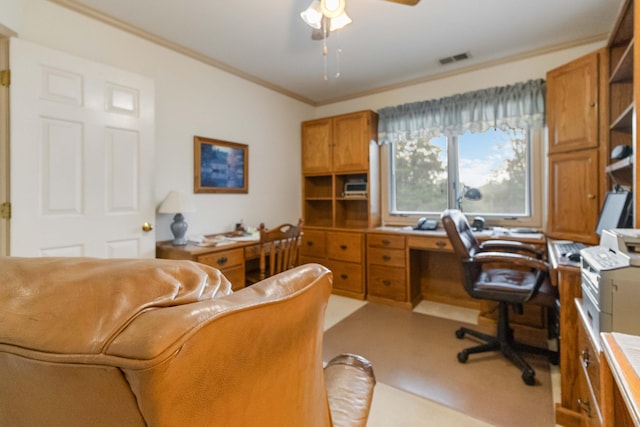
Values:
[(521, 105)]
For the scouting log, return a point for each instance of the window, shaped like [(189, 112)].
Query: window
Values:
[(430, 174), (437, 153)]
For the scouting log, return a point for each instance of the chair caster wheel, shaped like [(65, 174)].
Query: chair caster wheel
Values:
[(529, 378), (463, 356), (459, 334), (554, 358)]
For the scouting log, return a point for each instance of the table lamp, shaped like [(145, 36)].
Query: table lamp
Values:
[(177, 202)]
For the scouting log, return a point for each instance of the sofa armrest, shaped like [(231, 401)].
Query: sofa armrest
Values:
[(349, 381)]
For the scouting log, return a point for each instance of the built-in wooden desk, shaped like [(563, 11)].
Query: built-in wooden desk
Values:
[(565, 275), (405, 266), (229, 258), (622, 366)]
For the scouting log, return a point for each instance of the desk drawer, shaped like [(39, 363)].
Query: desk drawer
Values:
[(589, 360), (385, 241), (313, 244), (437, 243), (223, 259), (345, 246), (387, 282), (387, 257), (252, 252), (347, 276)]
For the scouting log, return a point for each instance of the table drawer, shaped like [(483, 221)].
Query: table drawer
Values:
[(387, 282), (430, 243), (387, 257), (345, 246), (224, 259), (347, 276), (385, 241), (313, 244)]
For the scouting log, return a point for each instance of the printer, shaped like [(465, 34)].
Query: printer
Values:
[(610, 276)]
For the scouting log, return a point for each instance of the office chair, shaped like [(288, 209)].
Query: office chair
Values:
[(508, 272), (279, 248)]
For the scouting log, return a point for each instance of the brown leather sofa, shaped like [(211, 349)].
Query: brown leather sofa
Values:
[(90, 342)]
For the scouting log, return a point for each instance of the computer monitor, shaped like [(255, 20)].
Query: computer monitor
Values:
[(616, 211)]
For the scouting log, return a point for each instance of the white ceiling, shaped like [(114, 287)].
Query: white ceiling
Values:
[(387, 44)]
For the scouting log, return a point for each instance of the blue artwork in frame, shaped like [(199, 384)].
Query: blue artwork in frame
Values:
[(220, 166)]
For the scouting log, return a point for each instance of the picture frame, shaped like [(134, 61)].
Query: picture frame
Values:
[(220, 166)]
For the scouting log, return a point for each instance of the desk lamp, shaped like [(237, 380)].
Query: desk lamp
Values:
[(177, 202), (468, 193)]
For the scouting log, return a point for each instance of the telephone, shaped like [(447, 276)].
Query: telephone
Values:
[(426, 224)]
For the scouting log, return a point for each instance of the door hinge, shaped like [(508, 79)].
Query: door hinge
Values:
[(5, 210), (5, 78)]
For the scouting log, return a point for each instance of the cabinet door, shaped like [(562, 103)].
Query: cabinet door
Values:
[(352, 137), (572, 105), (573, 196), (316, 146)]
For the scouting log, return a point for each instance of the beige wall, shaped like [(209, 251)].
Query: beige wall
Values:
[(193, 98)]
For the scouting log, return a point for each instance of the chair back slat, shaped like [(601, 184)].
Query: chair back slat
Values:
[(280, 246)]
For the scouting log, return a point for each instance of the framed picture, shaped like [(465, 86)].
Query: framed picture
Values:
[(220, 166)]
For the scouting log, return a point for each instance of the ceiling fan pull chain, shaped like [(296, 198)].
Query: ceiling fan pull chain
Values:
[(338, 54), (325, 51)]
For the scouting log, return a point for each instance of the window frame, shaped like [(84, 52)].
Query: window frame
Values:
[(536, 177)]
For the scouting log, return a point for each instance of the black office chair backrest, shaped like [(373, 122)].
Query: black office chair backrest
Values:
[(464, 243)]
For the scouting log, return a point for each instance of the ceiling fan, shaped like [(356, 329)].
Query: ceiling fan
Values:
[(407, 2), (325, 16)]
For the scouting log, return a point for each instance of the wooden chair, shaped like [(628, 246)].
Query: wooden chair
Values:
[(279, 250)]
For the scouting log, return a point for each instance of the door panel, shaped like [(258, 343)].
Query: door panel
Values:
[(82, 156)]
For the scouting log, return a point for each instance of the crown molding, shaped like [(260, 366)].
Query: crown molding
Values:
[(114, 22)]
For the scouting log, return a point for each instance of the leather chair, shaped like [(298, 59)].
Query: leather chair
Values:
[(88, 342), (280, 248), (508, 272)]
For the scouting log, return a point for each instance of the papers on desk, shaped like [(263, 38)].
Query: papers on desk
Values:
[(630, 346), (247, 237)]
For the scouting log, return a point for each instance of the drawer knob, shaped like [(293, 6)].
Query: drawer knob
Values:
[(344, 276), (309, 243), (585, 406), (386, 242), (441, 244), (386, 282), (222, 260), (343, 247), (386, 258), (585, 357)]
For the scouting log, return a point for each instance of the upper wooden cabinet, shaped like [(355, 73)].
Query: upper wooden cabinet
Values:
[(572, 105), (573, 202), (338, 144), (577, 147), (317, 146)]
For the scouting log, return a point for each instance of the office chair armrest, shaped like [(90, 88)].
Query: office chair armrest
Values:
[(511, 246), (509, 258)]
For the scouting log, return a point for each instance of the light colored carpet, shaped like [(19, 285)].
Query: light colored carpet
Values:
[(416, 353)]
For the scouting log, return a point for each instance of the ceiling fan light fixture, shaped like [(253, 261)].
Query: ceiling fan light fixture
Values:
[(332, 8), (340, 21), (312, 16)]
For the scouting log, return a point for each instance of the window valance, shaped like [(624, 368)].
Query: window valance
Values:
[(521, 105)]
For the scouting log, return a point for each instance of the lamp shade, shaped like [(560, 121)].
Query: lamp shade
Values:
[(313, 15), (176, 202)]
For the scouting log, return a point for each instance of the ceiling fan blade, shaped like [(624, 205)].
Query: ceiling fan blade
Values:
[(407, 2)]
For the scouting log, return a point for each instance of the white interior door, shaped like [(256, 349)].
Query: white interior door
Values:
[(82, 153)]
